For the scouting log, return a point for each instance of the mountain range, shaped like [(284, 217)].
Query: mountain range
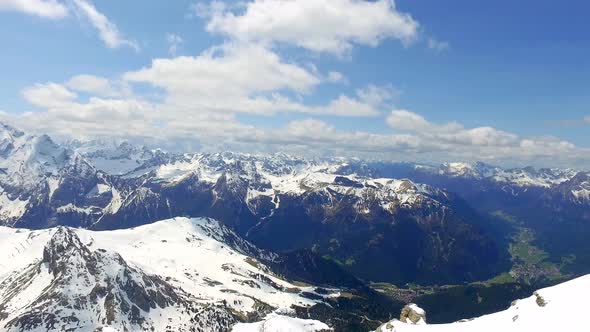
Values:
[(276, 222), (432, 220)]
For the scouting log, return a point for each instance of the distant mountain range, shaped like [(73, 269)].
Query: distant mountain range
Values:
[(426, 224), (273, 239)]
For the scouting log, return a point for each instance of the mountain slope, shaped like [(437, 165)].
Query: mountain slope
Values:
[(176, 275), (73, 287)]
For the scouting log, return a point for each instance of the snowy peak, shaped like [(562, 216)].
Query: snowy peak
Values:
[(8, 135), (74, 287), (520, 177), (576, 190), (118, 157), (174, 275), (581, 191), (249, 178), (476, 170), (27, 159), (9, 131), (64, 250)]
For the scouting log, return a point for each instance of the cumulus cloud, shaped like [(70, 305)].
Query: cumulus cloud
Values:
[(228, 70), (98, 86), (485, 143), (48, 95), (331, 26), (410, 121), (107, 30), (200, 98), (239, 78), (336, 77), (415, 137), (451, 132), (51, 9)]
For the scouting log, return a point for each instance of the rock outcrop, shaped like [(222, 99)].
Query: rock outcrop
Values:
[(413, 314)]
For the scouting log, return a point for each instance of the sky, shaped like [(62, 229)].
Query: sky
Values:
[(505, 82)]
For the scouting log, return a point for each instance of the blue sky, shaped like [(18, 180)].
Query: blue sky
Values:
[(502, 81)]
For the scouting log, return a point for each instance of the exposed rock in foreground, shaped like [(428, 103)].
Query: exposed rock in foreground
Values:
[(413, 314), (559, 308)]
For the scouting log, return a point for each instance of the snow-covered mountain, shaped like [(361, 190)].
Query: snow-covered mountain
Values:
[(558, 308), (27, 159), (89, 183), (174, 275), (400, 210), (521, 177), (117, 157)]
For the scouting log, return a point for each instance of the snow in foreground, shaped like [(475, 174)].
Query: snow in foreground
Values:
[(280, 323), (559, 308)]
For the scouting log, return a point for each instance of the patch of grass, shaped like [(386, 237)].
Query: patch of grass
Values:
[(348, 295), (523, 250), (330, 258), (529, 263), (504, 278), (505, 216), (299, 283), (350, 261)]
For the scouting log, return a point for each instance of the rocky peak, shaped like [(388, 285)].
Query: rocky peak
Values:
[(83, 282), (9, 131), (65, 251)]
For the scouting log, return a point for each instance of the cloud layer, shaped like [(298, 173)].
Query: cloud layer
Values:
[(202, 100), (51, 9), (332, 26)]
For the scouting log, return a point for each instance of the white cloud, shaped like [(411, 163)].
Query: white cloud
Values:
[(331, 26), (418, 140), (406, 120), (437, 45), (174, 41), (107, 30), (96, 85), (453, 132), (229, 70), (48, 95), (336, 77), (51, 9), (587, 119), (238, 78), (377, 95), (485, 143)]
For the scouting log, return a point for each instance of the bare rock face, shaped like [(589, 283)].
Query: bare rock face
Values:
[(541, 302), (413, 314)]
